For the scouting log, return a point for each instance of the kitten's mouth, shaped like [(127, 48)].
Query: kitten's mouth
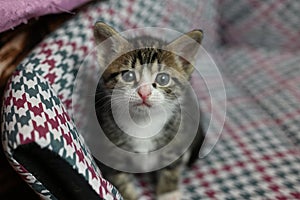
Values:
[(144, 104)]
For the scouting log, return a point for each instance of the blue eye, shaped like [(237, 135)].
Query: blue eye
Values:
[(128, 76), (162, 79)]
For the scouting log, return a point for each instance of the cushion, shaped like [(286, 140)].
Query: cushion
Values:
[(37, 115), (272, 24), (271, 79), (253, 158), (34, 114)]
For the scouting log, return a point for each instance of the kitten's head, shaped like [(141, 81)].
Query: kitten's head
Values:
[(150, 75)]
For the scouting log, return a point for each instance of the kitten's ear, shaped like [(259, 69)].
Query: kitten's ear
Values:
[(186, 46), (188, 43), (114, 42), (103, 31)]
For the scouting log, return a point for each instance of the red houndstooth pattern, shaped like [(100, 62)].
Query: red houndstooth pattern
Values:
[(271, 23), (38, 100), (257, 156)]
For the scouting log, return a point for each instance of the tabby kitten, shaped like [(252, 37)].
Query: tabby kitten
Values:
[(143, 81)]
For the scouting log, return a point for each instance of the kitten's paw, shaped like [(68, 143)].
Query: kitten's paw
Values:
[(129, 192), (124, 183), (175, 195), (131, 196)]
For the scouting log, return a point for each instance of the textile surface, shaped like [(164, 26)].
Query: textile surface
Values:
[(257, 155)]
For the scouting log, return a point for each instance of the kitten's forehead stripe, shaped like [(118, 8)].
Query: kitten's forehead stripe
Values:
[(153, 56), (140, 57), (133, 62)]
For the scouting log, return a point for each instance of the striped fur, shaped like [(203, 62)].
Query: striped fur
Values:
[(149, 58)]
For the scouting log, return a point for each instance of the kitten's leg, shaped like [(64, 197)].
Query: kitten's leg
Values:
[(124, 183), (168, 183)]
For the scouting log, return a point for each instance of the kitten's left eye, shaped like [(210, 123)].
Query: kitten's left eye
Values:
[(128, 76), (162, 79)]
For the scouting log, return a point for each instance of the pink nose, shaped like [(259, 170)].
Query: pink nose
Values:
[(144, 91)]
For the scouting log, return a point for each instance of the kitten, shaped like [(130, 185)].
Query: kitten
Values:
[(145, 80)]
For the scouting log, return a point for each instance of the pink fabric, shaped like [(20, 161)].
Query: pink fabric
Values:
[(15, 12)]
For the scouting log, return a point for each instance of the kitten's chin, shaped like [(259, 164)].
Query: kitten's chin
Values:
[(139, 110)]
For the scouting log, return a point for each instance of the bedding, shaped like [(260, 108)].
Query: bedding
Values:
[(257, 155)]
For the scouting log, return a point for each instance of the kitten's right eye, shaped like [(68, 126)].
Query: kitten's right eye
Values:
[(162, 79), (128, 76)]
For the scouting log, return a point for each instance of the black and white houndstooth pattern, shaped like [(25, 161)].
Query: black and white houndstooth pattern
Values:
[(257, 156)]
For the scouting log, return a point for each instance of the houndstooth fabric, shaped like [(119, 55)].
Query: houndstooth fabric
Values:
[(37, 105), (252, 159), (34, 113), (257, 155), (271, 78), (271, 23)]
